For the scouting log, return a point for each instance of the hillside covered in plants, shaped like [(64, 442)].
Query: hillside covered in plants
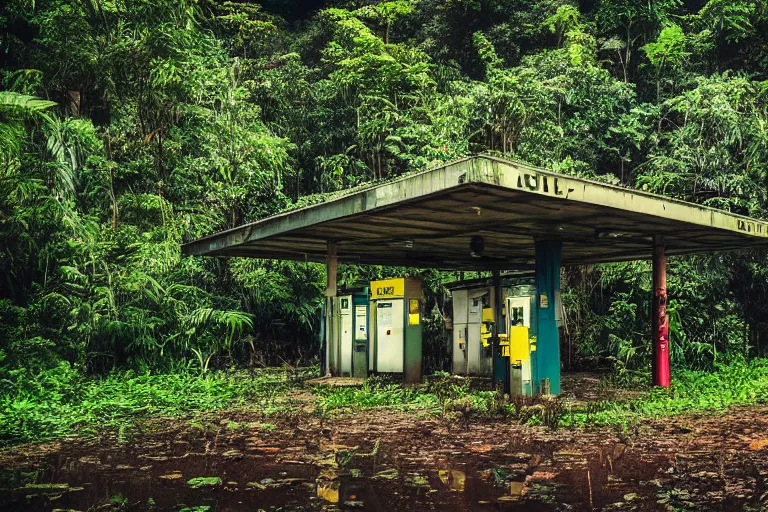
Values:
[(129, 127)]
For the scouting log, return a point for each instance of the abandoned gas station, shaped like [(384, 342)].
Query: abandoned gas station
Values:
[(481, 213)]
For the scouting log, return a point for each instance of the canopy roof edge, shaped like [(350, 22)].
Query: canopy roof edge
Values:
[(508, 203)]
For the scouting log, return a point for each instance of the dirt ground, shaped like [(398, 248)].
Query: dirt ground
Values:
[(383, 460)]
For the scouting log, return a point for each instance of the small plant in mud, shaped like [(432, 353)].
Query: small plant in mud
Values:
[(545, 411), (530, 414), (464, 404), (520, 403), (553, 411), (462, 407), (204, 481), (234, 426), (676, 499), (203, 426), (343, 457), (593, 409), (117, 500), (126, 433), (448, 391), (498, 404)]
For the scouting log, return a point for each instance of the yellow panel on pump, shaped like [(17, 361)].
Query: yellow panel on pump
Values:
[(518, 345), (504, 344), (485, 335), (414, 311), (388, 289)]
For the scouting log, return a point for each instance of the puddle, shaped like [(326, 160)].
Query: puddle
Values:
[(328, 476), (382, 467)]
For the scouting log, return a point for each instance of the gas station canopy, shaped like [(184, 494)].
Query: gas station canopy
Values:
[(484, 213)]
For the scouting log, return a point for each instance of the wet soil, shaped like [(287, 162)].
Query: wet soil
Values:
[(383, 460)]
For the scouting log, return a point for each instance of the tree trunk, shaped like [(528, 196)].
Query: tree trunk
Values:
[(112, 196)]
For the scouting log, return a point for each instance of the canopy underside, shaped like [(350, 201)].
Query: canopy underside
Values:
[(428, 220)]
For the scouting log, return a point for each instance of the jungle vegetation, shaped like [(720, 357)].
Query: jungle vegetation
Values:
[(130, 126)]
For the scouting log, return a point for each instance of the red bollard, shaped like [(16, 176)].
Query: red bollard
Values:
[(660, 325)]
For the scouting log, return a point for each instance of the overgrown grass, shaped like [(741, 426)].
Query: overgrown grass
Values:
[(59, 401), (373, 393), (736, 383), (440, 396)]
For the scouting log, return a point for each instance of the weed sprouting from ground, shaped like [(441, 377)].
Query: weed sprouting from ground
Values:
[(534, 410)]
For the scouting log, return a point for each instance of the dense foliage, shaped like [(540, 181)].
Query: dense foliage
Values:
[(129, 126)]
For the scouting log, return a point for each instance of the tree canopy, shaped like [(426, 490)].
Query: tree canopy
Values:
[(130, 126)]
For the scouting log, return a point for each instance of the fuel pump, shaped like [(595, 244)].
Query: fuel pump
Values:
[(521, 345), (395, 315), (472, 331), (348, 355), (519, 363), (528, 376)]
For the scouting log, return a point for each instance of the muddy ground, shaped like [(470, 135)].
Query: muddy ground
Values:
[(383, 460)]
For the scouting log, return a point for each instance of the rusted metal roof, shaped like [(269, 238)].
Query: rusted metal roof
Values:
[(428, 220)]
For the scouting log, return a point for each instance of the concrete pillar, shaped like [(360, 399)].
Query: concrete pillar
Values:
[(330, 292), (500, 364), (548, 254), (330, 270), (659, 318)]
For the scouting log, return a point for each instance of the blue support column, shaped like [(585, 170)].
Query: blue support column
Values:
[(547, 294)]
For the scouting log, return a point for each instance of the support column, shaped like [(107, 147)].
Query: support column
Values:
[(548, 337), (330, 292), (330, 270), (659, 318), (500, 364)]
